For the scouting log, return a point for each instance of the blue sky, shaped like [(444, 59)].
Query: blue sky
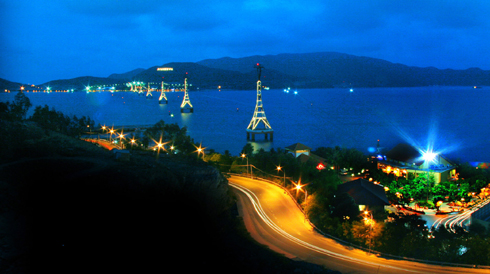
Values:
[(43, 40)]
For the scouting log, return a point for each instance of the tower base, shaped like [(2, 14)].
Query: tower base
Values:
[(191, 110), (161, 102), (269, 134)]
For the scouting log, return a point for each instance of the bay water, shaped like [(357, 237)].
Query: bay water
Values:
[(450, 120)]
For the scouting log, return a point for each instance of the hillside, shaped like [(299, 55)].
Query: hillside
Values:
[(7, 85), (306, 70), (70, 207), (204, 77), (126, 76), (338, 69)]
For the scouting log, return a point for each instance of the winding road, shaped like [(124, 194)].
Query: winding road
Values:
[(274, 219)]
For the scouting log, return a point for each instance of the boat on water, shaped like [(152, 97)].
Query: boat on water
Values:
[(351, 90), (476, 87)]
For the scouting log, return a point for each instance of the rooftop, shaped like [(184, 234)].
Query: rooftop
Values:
[(364, 192), (297, 146)]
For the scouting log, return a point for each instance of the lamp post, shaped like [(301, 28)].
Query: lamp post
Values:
[(245, 156), (121, 137), (157, 147), (111, 131), (200, 150), (133, 141), (369, 222), (279, 168)]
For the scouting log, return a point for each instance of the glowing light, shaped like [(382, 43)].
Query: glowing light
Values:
[(165, 69), (200, 150), (429, 156)]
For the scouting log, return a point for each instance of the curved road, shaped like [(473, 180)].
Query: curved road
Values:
[(273, 219)]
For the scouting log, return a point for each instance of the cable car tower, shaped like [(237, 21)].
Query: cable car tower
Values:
[(162, 95), (186, 103), (148, 92), (259, 114)]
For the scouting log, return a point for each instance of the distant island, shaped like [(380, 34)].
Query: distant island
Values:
[(302, 70)]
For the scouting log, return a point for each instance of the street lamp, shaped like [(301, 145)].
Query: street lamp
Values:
[(159, 145), (245, 156), (200, 150), (111, 131), (370, 222), (299, 187), (133, 141), (279, 168), (121, 137)]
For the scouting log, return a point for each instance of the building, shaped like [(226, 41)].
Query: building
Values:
[(366, 195), (303, 153), (404, 159)]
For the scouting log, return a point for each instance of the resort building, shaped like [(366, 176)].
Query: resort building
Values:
[(404, 159), (303, 153), (366, 195)]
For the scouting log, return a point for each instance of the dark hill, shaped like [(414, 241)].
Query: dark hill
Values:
[(8, 85), (331, 68), (204, 77), (301, 70), (80, 83), (126, 76)]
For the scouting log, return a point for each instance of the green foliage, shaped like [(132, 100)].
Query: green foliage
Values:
[(57, 121), (171, 133), (344, 207), (17, 110), (367, 234), (342, 157), (248, 149)]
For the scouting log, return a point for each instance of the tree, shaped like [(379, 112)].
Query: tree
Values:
[(248, 149), (21, 105), (367, 232), (17, 110)]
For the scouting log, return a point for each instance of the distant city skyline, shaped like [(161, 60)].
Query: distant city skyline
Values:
[(62, 39)]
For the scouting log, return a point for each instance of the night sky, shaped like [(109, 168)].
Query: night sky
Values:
[(43, 40)]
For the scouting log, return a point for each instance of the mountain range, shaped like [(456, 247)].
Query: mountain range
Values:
[(302, 70)]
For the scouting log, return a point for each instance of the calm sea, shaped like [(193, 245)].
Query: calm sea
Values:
[(452, 120)]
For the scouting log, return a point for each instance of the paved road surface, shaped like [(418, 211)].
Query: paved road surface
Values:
[(273, 219)]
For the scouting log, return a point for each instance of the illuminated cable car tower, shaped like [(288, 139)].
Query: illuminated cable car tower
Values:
[(259, 114), (148, 92), (186, 103), (162, 95)]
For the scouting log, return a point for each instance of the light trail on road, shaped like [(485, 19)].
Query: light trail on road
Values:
[(461, 219), (258, 208), (271, 217)]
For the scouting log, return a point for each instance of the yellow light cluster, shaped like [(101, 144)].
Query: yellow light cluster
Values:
[(165, 69)]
